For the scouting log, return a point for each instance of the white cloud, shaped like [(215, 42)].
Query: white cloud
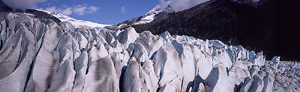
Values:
[(123, 10), (22, 4), (84, 9), (179, 5), (64, 6), (79, 9), (64, 9), (92, 9), (67, 11), (76, 9), (52, 9)]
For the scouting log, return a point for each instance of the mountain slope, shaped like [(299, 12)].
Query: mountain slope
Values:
[(77, 23), (155, 14), (269, 26)]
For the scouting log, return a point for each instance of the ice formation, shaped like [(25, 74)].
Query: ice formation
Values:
[(38, 55)]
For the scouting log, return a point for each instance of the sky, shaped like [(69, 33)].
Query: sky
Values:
[(101, 11)]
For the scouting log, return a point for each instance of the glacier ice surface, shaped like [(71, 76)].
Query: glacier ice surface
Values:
[(40, 55)]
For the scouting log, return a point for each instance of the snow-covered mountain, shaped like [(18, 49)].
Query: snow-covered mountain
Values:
[(149, 16), (77, 23), (153, 15)]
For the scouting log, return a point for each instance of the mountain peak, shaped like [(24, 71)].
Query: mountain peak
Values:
[(154, 11), (154, 14), (168, 9)]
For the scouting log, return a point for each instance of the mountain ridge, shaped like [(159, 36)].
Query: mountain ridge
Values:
[(255, 27), (155, 14), (77, 23)]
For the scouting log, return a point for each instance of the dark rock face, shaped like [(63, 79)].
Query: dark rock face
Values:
[(269, 25), (164, 14)]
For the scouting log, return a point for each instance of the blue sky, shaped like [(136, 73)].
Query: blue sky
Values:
[(105, 11), (101, 11)]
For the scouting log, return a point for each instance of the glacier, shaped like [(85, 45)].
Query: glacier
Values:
[(38, 55)]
